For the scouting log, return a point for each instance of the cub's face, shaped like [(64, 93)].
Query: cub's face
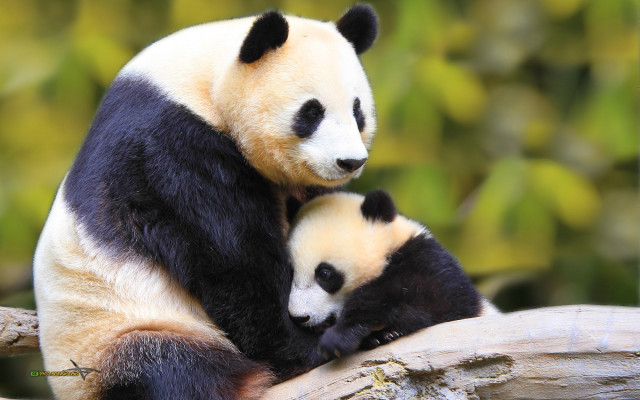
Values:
[(337, 243), (302, 113)]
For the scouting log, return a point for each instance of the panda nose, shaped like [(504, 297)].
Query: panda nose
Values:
[(299, 320), (350, 164)]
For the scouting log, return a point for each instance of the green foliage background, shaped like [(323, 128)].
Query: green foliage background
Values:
[(510, 128)]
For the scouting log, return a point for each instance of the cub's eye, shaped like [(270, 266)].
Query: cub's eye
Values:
[(324, 273), (357, 114), (308, 118), (328, 277)]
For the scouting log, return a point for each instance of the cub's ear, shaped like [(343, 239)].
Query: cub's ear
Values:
[(293, 206), (359, 25), (269, 31), (378, 206)]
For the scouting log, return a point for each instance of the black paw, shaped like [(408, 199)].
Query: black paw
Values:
[(335, 343), (379, 338)]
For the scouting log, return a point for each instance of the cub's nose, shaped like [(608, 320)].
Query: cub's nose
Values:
[(299, 320), (350, 164)]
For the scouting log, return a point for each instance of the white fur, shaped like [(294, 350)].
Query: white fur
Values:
[(309, 299), (186, 63), (334, 140), (86, 299), (488, 308)]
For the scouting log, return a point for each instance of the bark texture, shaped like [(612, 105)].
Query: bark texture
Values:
[(569, 352), (18, 331)]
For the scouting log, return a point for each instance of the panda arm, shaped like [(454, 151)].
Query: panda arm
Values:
[(229, 251), (155, 182), (378, 310), (422, 285)]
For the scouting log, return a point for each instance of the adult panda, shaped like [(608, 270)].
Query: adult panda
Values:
[(365, 275), (162, 263)]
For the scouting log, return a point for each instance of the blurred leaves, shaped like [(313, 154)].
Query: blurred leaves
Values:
[(512, 222), (459, 92)]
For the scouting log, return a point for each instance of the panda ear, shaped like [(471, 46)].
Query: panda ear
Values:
[(293, 206), (359, 25), (378, 206), (269, 31)]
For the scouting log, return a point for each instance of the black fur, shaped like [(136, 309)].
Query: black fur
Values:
[(421, 286), (293, 206), (155, 365), (328, 277), (308, 118), (378, 206), (358, 115), (154, 180), (269, 31), (359, 25), (308, 193)]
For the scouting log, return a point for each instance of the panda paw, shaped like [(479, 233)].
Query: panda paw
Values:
[(379, 338), (335, 343)]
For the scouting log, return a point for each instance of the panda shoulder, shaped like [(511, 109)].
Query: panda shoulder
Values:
[(185, 65)]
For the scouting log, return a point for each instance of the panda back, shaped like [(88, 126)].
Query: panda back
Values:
[(186, 64)]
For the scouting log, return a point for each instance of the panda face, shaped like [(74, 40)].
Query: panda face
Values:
[(304, 113), (332, 144), (315, 301), (338, 242), (290, 91)]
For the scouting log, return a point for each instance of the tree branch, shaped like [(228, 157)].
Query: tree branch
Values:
[(18, 331), (570, 352)]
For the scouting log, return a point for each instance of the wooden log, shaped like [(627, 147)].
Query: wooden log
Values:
[(18, 331), (571, 352)]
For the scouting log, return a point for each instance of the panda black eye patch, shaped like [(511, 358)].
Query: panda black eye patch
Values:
[(308, 118), (358, 115), (329, 278)]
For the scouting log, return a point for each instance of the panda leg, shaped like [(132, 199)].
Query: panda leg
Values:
[(166, 365)]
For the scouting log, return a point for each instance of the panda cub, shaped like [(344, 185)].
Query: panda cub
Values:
[(365, 275)]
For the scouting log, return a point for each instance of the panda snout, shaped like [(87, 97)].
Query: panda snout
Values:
[(300, 320), (351, 164)]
